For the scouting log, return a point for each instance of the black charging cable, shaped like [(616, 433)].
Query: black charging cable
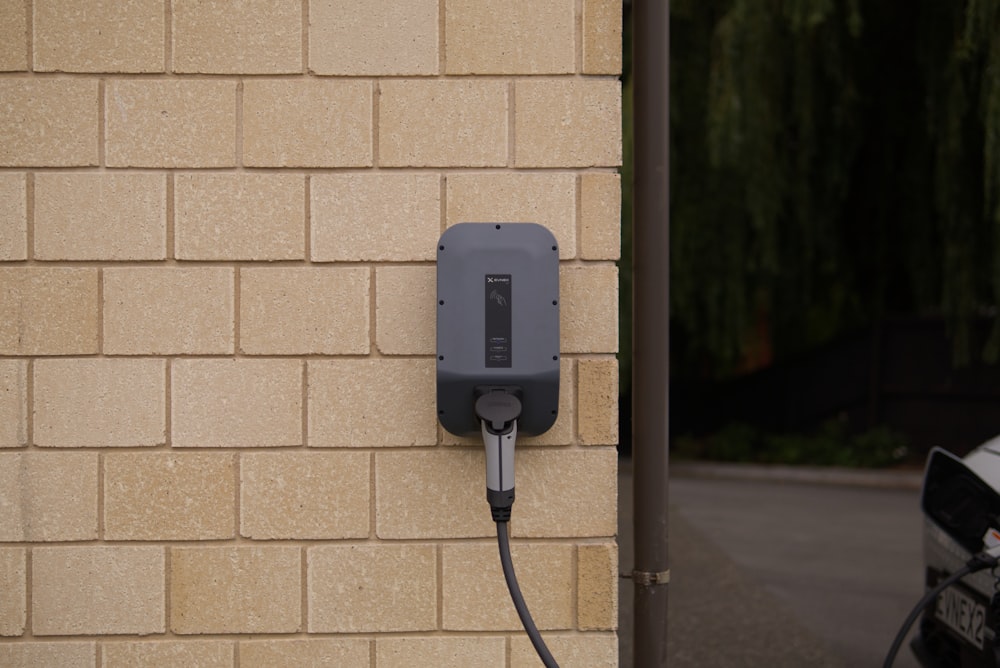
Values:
[(980, 562), (503, 540)]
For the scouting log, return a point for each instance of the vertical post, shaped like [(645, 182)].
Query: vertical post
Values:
[(650, 317)]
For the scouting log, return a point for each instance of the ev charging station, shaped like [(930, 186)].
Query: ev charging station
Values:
[(498, 355)]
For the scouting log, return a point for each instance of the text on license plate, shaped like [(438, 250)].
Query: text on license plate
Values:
[(962, 615)]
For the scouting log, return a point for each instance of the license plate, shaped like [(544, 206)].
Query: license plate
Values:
[(962, 614)]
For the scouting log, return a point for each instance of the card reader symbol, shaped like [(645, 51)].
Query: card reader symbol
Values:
[(498, 298)]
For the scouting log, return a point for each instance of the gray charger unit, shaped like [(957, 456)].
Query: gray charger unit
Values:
[(497, 323)]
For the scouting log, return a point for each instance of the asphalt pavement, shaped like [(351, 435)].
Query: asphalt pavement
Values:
[(783, 567)]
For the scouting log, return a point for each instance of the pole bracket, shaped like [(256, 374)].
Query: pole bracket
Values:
[(647, 578)]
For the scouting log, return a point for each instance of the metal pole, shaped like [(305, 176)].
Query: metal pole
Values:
[(650, 317)]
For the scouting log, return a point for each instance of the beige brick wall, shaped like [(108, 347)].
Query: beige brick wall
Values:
[(218, 222)]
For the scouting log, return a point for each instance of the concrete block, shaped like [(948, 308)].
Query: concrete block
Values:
[(307, 123), (314, 652), (370, 403), (510, 37), (600, 216), (567, 123), (169, 496), (239, 216), (475, 596), (304, 310), (105, 216), (246, 37), (566, 493), (13, 214), (443, 123), (235, 589), (453, 652), (48, 311), (236, 402), (548, 199), (102, 36), (41, 654), (372, 588), (48, 122), (588, 311), (13, 403), (97, 590), (597, 587), (13, 37), (588, 650), (602, 37), (168, 654), (376, 38), (432, 495), (405, 315), (378, 216), (48, 496), (305, 495), (14, 588), (99, 402), (170, 123), (597, 402), (168, 310)]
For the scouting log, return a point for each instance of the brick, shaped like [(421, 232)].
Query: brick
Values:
[(315, 652), (381, 217), (13, 37), (13, 403), (235, 589), (390, 403), (48, 122), (13, 216), (375, 38), (583, 650), (239, 216), (543, 198), (107, 216), (168, 310), (411, 488), (236, 403), (440, 652), (405, 315), (600, 216), (48, 496), (372, 588), (304, 310), (307, 123), (475, 596), (597, 587), (602, 37), (440, 123), (13, 591), (170, 123), (588, 313), (97, 590), (245, 37), (567, 123), (566, 493), (169, 654), (99, 402), (305, 495), (169, 496), (103, 36), (510, 37), (62, 654), (48, 311), (597, 406)]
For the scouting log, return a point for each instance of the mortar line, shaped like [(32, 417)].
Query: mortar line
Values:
[(29, 575), (442, 38), (100, 496), (303, 590), (168, 37), (29, 29), (170, 214), (168, 430), (376, 92), (238, 158), (305, 404), (100, 311), (305, 37), (371, 653), (237, 283), (372, 500), (29, 403), (307, 214), (372, 313), (578, 37), (238, 496), (439, 574), (168, 559), (578, 216)]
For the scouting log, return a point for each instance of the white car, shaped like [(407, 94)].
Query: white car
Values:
[(960, 626)]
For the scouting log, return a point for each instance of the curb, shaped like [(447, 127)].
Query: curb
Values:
[(910, 480)]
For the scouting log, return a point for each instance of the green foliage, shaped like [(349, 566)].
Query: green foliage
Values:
[(831, 161), (831, 445)]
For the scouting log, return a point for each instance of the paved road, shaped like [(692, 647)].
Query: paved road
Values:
[(783, 574)]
